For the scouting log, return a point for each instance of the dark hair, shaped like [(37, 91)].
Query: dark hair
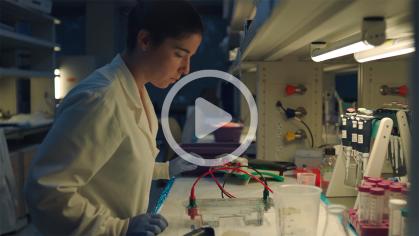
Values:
[(163, 19)]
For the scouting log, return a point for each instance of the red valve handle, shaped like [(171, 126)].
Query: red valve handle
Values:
[(290, 90), (403, 90)]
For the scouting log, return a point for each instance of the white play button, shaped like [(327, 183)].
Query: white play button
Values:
[(208, 117)]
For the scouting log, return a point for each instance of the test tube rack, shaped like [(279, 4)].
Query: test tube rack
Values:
[(363, 229)]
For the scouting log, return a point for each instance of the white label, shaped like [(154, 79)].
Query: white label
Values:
[(361, 125), (360, 139), (344, 134), (354, 138), (354, 124), (344, 121)]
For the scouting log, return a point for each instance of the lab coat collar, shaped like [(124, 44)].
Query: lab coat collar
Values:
[(128, 83)]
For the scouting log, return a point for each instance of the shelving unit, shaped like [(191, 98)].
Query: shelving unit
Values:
[(27, 53), (284, 27), (275, 50), (27, 63)]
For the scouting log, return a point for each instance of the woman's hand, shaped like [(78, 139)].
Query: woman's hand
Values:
[(146, 225), (179, 165)]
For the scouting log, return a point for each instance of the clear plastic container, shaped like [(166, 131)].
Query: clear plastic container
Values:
[(339, 213), (297, 209), (351, 171), (395, 218), (395, 192), (326, 169), (385, 186), (306, 178), (376, 206), (364, 202)]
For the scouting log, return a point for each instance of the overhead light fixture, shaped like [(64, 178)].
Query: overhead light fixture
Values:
[(372, 34), (391, 48)]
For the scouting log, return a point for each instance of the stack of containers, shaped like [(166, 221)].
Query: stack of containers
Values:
[(375, 201)]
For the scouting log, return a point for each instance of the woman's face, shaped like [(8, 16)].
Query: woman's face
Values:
[(170, 60)]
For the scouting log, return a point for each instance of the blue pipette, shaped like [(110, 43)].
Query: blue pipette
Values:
[(164, 195)]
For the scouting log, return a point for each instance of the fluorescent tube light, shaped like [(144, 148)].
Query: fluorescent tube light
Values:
[(372, 34), (391, 48)]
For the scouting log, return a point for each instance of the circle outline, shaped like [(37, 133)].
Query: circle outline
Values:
[(195, 158)]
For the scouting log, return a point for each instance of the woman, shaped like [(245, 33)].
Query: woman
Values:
[(93, 171)]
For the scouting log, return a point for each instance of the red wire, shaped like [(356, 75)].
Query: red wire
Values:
[(221, 187), (210, 171)]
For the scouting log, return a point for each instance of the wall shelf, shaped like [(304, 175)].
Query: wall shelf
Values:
[(13, 72), (13, 10), (12, 39), (285, 27)]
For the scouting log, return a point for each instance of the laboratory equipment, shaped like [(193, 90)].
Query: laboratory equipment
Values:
[(405, 215), (297, 209), (395, 217), (363, 142), (399, 90), (385, 185), (306, 178), (211, 211), (339, 212), (337, 186), (295, 89), (249, 211), (326, 169), (395, 192), (163, 195), (376, 206), (347, 134), (364, 203)]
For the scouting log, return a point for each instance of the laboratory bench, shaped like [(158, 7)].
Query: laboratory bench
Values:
[(174, 209)]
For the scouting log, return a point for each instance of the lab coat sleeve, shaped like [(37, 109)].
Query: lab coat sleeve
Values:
[(84, 136), (161, 170)]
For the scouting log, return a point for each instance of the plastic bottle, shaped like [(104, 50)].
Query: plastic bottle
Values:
[(395, 218), (376, 206), (405, 193), (385, 186), (364, 203), (395, 191)]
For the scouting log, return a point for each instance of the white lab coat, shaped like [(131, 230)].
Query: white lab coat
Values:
[(94, 169), (8, 191)]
